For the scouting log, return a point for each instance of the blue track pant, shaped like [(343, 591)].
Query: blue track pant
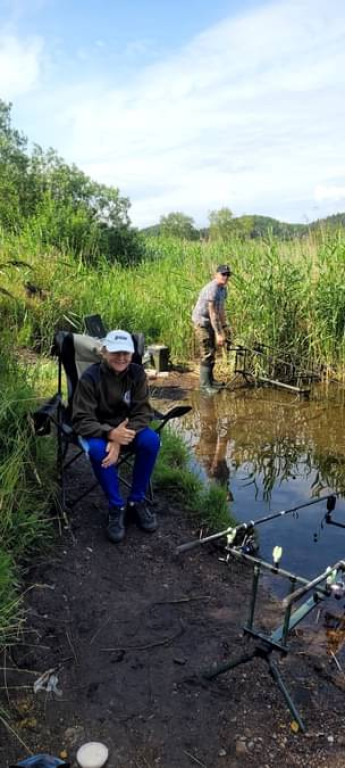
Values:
[(145, 447)]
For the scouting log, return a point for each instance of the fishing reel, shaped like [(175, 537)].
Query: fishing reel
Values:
[(337, 590), (243, 539)]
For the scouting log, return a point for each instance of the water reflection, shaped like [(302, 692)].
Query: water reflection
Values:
[(211, 448), (274, 451)]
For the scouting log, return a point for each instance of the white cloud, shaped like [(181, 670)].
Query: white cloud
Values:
[(250, 115), (20, 62), (323, 192)]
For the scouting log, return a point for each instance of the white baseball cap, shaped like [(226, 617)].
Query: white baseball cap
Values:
[(118, 341)]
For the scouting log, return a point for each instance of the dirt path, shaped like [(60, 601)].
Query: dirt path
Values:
[(129, 630)]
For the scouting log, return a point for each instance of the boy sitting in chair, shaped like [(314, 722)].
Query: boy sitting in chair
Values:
[(111, 412)]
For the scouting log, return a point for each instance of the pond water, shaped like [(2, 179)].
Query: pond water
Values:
[(273, 451)]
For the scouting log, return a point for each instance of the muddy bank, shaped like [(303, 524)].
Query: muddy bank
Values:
[(129, 630)]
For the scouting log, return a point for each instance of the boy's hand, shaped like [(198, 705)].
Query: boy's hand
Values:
[(113, 451), (121, 434)]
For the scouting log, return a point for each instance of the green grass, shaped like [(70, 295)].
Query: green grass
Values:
[(206, 503), (26, 490), (290, 295)]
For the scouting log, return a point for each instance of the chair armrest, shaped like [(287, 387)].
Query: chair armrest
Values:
[(174, 413)]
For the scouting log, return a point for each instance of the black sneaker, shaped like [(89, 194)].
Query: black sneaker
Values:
[(143, 515), (116, 524)]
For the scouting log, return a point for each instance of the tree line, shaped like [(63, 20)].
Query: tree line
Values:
[(224, 226), (44, 196)]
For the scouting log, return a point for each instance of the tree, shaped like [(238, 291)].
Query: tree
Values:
[(14, 192), (178, 225), (76, 212), (60, 203), (243, 227), (221, 224)]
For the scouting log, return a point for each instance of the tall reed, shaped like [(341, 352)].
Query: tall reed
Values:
[(290, 295)]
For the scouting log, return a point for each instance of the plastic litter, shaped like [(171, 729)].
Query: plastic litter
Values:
[(41, 761), (48, 682), (92, 755)]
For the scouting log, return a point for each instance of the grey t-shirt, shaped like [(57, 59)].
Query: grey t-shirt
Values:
[(210, 292)]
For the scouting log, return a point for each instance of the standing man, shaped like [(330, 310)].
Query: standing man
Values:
[(210, 325), (111, 411)]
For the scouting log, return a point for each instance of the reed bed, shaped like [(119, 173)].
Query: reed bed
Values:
[(290, 295)]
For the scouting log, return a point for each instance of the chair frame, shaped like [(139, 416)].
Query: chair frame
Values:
[(58, 413)]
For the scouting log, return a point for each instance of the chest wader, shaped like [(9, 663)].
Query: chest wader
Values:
[(206, 379), (207, 383), (206, 340), (216, 384)]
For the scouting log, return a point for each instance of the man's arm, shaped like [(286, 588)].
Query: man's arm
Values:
[(217, 324)]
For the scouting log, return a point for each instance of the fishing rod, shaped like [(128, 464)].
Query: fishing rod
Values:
[(232, 531), (328, 574)]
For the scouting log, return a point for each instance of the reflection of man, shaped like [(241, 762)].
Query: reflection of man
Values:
[(212, 446)]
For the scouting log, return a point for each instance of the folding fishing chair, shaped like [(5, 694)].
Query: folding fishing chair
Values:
[(75, 353), (94, 326)]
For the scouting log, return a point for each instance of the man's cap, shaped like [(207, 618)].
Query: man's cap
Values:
[(118, 341), (224, 269)]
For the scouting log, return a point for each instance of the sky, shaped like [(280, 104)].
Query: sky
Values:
[(186, 105)]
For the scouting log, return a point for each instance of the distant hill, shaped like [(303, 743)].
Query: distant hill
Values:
[(262, 226), (330, 222)]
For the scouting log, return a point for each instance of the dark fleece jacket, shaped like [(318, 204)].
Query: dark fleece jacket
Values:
[(103, 399)]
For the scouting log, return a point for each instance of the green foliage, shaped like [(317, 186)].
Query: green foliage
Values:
[(329, 299), (59, 205), (9, 607), (221, 224), (173, 452), (224, 226), (289, 295), (178, 225), (14, 192), (330, 223), (207, 503), (265, 226), (26, 488), (244, 227), (215, 513)]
